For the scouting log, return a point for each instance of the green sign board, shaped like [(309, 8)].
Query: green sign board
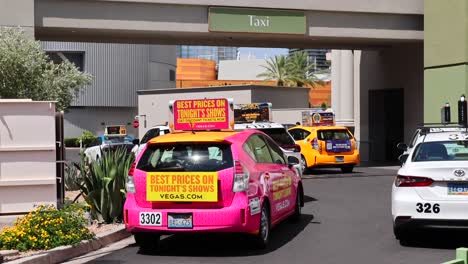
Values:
[(223, 19)]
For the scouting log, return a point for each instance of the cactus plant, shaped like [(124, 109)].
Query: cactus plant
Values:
[(104, 185)]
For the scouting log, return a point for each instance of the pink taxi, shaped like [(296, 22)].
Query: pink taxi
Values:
[(219, 181)]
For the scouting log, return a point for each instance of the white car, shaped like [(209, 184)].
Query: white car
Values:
[(431, 189), (105, 143), (151, 133), (280, 135)]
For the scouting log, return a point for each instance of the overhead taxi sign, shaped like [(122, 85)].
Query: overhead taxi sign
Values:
[(201, 114), (228, 19), (182, 186), (254, 112)]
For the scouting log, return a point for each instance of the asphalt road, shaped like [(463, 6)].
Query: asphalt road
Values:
[(345, 220)]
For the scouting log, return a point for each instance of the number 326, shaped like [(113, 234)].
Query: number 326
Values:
[(427, 208)]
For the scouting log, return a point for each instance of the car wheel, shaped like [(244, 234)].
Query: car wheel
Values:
[(263, 236), (304, 165), (148, 242), (298, 206), (402, 235), (347, 169)]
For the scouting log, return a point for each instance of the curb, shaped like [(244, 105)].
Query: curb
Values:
[(63, 253)]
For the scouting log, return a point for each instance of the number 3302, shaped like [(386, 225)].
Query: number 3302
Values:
[(427, 208)]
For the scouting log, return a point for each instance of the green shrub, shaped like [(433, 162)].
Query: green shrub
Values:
[(46, 228), (104, 184), (86, 138), (71, 142)]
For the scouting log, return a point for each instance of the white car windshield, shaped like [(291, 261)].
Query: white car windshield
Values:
[(441, 151), (116, 140)]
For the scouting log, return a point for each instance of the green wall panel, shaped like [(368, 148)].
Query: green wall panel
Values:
[(443, 85), (445, 32)]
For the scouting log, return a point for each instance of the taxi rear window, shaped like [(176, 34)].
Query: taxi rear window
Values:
[(441, 151), (334, 134), (207, 157), (279, 135)]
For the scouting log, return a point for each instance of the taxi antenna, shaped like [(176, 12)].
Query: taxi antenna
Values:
[(191, 127)]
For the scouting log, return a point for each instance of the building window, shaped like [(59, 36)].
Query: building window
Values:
[(171, 75), (75, 57)]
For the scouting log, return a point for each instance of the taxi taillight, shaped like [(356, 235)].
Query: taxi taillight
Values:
[(132, 169), (241, 177), (315, 144), (412, 181), (130, 186)]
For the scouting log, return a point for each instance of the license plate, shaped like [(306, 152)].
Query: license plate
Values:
[(180, 221), (339, 159), (151, 218), (457, 189)]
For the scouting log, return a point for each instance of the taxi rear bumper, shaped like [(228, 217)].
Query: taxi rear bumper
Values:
[(235, 218), (336, 160)]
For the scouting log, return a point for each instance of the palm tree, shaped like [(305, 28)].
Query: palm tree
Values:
[(276, 70), (298, 69)]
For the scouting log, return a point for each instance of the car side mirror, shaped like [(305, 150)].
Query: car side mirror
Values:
[(293, 160), (402, 158), (402, 146), (136, 141)]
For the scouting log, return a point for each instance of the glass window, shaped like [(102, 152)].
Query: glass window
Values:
[(299, 134), (334, 134), (96, 142), (276, 152), (186, 157), (279, 135), (258, 149), (171, 75), (441, 151), (117, 140), (152, 133)]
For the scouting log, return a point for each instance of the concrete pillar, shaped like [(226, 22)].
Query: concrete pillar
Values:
[(445, 56), (357, 95), (347, 88), (14, 13), (335, 81)]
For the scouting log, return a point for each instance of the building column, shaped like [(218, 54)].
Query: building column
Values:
[(357, 95), (335, 81), (346, 117), (445, 56), (14, 13)]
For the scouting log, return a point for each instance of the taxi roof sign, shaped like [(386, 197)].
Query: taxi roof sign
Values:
[(254, 112), (318, 118), (201, 114), (115, 131)]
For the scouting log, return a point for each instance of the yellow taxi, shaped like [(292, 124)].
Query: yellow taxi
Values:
[(326, 146)]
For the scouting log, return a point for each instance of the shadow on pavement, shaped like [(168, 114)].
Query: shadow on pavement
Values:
[(308, 199), (228, 245), (438, 239)]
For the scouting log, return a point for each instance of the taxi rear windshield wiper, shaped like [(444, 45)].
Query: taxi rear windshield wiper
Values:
[(169, 169)]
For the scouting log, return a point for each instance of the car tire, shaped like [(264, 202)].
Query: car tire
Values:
[(296, 216), (263, 237), (402, 235), (148, 242), (305, 169), (347, 169)]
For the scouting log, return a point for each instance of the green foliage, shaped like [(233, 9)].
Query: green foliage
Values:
[(276, 70), (46, 228), (104, 184), (292, 70), (71, 142), (25, 71), (86, 138), (323, 106)]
